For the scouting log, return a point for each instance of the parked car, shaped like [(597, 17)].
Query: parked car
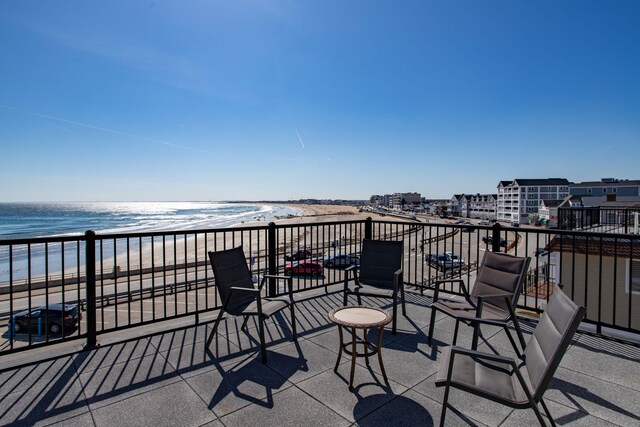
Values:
[(51, 317), (515, 224), (467, 226), (489, 239), (484, 223), (445, 261), (297, 255), (541, 252), (341, 261), (303, 267)]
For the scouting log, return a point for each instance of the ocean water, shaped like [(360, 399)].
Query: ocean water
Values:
[(25, 220), (21, 220)]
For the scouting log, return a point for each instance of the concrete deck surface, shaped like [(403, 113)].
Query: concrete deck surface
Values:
[(170, 379)]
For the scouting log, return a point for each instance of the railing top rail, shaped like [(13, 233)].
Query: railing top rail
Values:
[(37, 240)]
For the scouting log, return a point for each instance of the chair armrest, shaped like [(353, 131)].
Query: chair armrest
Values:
[(276, 276), (238, 289), (397, 279), (288, 279), (476, 354), (482, 355), (347, 275), (459, 281)]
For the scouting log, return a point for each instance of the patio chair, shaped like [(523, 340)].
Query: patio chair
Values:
[(241, 298), (492, 300), (378, 275), (499, 378)]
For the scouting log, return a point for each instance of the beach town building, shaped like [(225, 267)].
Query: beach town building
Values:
[(519, 199), (410, 199), (478, 205), (436, 206), (549, 210), (606, 186), (455, 207)]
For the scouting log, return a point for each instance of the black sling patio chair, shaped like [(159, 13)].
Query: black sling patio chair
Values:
[(378, 275), (492, 300), (241, 298), (499, 378)]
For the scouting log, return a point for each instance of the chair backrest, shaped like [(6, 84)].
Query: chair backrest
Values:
[(378, 261), (550, 340), (501, 273), (230, 269)]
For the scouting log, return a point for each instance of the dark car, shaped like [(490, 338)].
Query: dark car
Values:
[(297, 255), (52, 317), (445, 261), (341, 261), (303, 267), (489, 239)]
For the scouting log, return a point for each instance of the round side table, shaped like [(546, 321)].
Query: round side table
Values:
[(360, 317)]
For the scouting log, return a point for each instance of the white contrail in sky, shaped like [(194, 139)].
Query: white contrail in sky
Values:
[(605, 151), (300, 139), (113, 131)]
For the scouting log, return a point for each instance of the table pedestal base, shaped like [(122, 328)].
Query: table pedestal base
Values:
[(368, 349)]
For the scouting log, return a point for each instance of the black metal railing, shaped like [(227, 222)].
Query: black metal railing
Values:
[(600, 219), (128, 280)]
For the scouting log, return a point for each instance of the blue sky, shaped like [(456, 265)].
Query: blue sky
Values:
[(254, 100)]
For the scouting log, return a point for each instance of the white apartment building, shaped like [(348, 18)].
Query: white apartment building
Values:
[(520, 198), (481, 206)]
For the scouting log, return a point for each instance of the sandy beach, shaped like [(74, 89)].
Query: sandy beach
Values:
[(191, 247), (324, 213)]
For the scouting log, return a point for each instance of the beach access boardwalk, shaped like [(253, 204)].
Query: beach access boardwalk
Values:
[(162, 378)]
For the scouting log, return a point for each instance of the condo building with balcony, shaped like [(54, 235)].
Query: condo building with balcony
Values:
[(481, 206), (520, 198)]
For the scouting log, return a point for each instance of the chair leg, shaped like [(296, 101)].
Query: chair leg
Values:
[(395, 315), (519, 332), (513, 343), (538, 414), (433, 321), (404, 307), (263, 350), (293, 322), (546, 410), (455, 332), (476, 333), (344, 299), (215, 327), (359, 300), (444, 405), (244, 322)]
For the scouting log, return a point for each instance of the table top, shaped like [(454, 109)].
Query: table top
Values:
[(359, 316)]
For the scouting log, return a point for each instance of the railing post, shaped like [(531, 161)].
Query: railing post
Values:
[(368, 228), (626, 221), (271, 258), (90, 287), (495, 238)]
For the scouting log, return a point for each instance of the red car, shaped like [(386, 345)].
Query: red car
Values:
[(303, 267), (297, 255)]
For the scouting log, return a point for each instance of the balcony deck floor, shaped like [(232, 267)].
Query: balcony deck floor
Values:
[(171, 379)]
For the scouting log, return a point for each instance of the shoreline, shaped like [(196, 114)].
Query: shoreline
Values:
[(189, 247)]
